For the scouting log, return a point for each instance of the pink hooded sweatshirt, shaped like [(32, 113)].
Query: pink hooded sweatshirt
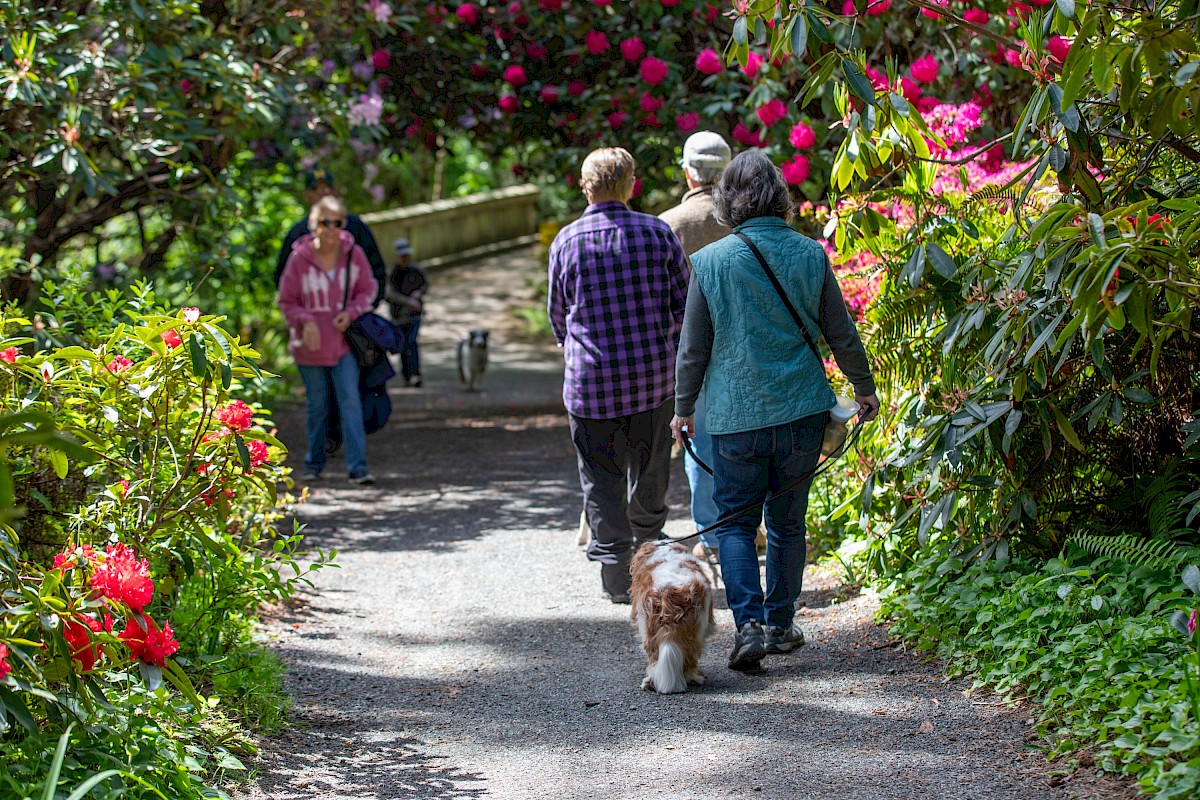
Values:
[(307, 293)]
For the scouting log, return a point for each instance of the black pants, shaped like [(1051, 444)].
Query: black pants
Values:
[(624, 469)]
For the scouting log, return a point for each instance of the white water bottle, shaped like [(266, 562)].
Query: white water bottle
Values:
[(835, 429)]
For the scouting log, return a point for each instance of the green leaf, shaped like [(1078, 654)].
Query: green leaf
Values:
[(942, 263), (857, 83), (1064, 427), (799, 37), (1186, 72), (1138, 395), (1096, 229), (243, 453), (1069, 116), (58, 460), (1067, 8), (1191, 578), (915, 267), (82, 789), (60, 753), (739, 30), (199, 356), (900, 104)]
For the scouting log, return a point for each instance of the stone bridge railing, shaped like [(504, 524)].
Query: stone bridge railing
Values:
[(461, 228)]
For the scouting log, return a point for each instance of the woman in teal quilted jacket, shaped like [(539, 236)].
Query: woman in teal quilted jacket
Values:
[(767, 395)]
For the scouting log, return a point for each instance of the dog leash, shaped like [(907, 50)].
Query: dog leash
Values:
[(819, 469)]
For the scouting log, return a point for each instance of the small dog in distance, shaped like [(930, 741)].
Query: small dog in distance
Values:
[(672, 601), (472, 360)]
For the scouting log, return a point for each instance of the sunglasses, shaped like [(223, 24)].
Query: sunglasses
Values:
[(336, 223)]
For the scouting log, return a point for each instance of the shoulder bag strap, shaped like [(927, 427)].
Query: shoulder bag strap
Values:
[(782, 295), (346, 289)]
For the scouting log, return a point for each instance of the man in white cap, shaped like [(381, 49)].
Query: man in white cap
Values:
[(694, 220), (405, 293)]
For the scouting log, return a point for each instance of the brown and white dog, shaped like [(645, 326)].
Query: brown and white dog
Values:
[(672, 601)]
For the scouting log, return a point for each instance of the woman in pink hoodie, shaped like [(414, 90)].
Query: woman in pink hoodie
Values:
[(326, 285)]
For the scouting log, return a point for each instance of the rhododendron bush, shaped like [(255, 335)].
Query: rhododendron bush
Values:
[(144, 540)]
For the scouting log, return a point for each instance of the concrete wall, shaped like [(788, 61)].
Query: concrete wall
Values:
[(446, 230)]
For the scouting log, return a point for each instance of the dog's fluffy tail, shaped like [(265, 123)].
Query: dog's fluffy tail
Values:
[(667, 672)]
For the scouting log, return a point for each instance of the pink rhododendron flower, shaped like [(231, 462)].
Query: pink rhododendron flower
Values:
[(595, 41), (366, 110), (649, 103), (515, 76), (576, 88), (878, 79), (1058, 48), (877, 7), (381, 59), (772, 112), (687, 122), (953, 124), (467, 14), (924, 69), (124, 484), (120, 576), (9, 355), (237, 415), (1012, 58), (927, 103), (171, 338), (550, 5), (796, 171), (801, 136), (259, 454), (503, 35), (380, 11), (549, 95), (754, 62), (1019, 10), (616, 119), (743, 135), (638, 186), (910, 89), (976, 15), (119, 364), (77, 633), (933, 14), (848, 9), (537, 51), (5, 669), (147, 643), (670, 3), (651, 121), (632, 49), (1191, 623), (603, 3), (709, 62), (653, 70)]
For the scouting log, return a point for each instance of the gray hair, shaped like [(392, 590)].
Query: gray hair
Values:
[(705, 174), (752, 186)]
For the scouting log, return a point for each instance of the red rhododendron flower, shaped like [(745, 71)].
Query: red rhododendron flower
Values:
[(9, 355), (120, 576), (147, 643), (982, 96), (801, 136), (616, 119), (651, 121), (537, 51), (515, 75), (551, 5), (67, 560), (649, 103), (504, 35), (77, 632), (772, 112), (653, 70), (258, 453), (743, 135), (877, 7), (1058, 48), (5, 669), (632, 48), (595, 41), (549, 95), (709, 62), (754, 63), (924, 69), (192, 315), (237, 415), (467, 14), (381, 59), (478, 72), (687, 122), (217, 435), (796, 171), (171, 338), (119, 364), (124, 484), (976, 15)]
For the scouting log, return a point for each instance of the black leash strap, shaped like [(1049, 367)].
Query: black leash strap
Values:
[(782, 295)]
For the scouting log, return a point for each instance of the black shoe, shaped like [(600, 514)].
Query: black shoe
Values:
[(618, 599), (781, 640), (749, 647)]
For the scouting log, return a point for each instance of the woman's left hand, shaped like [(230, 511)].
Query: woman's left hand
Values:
[(342, 321), (679, 425)]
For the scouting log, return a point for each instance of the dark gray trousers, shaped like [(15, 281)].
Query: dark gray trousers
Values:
[(624, 470)]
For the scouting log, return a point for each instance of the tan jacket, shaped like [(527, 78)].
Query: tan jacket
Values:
[(694, 220)]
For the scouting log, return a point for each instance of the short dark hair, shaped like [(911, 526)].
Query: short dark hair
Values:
[(751, 186)]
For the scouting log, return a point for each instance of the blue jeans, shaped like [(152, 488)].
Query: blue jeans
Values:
[(750, 466), (322, 385), (704, 509), (410, 356)]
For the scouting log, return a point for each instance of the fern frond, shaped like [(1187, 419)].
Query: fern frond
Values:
[(1132, 549)]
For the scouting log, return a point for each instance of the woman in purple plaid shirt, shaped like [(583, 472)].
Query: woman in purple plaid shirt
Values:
[(618, 286)]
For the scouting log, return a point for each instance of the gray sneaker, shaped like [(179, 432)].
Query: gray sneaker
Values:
[(780, 640), (749, 647), (362, 480)]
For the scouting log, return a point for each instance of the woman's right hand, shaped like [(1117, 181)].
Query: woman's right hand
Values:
[(311, 336)]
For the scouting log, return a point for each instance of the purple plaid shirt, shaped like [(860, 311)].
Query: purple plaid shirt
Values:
[(618, 284)]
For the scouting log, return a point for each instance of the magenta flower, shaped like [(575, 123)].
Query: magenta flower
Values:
[(9, 355), (549, 95), (976, 15), (669, 3), (709, 62), (933, 14), (687, 122), (878, 79), (632, 48), (616, 119), (467, 14), (772, 112), (910, 89), (754, 63), (796, 171), (877, 7), (848, 9), (381, 59), (550, 5), (596, 42), (653, 70), (576, 88), (602, 3), (478, 71), (1191, 623), (509, 103), (743, 135), (537, 51), (1058, 48), (924, 70), (515, 76), (801, 136), (638, 186), (650, 104)]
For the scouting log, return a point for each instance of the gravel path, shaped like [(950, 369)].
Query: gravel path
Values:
[(463, 649)]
